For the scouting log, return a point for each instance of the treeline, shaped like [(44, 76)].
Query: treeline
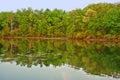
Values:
[(100, 20), (94, 58)]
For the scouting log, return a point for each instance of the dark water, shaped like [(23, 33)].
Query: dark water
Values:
[(59, 60)]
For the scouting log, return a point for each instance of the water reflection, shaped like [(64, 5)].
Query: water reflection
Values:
[(94, 58)]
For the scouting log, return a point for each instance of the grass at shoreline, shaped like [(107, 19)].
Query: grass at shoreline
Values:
[(61, 38)]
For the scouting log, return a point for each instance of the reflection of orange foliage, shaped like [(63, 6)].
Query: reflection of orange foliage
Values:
[(89, 65), (85, 60), (11, 49), (30, 45)]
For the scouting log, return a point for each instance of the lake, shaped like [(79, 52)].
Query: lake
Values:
[(26, 59)]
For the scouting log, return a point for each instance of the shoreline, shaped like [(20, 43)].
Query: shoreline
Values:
[(61, 38)]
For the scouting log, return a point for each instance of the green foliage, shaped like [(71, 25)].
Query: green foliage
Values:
[(94, 21)]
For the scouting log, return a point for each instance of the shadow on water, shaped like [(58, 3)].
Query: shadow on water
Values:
[(94, 57)]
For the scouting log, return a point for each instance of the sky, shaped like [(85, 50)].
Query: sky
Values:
[(13, 5)]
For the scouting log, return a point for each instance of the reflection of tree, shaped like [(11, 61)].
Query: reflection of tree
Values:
[(94, 58)]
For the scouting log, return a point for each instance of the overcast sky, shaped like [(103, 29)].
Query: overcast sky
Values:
[(13, 5)]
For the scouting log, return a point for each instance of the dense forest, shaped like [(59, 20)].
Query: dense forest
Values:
[(94, 58), (101, 20)]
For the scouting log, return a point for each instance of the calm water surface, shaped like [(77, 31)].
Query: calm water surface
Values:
[(59, 60)]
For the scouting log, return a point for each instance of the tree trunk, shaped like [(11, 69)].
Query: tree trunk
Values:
[(11, 25)]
